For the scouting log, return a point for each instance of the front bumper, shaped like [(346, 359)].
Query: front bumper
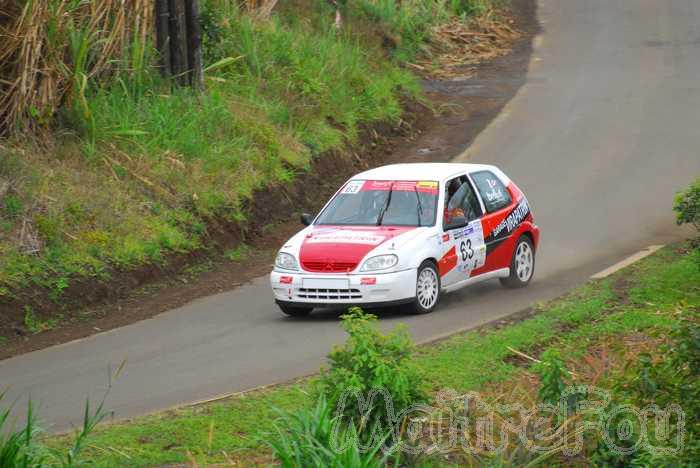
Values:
[(330, 290)]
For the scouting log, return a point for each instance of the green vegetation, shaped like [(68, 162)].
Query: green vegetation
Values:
[(687, 208), (662, 378), (22, 447), (369, 360), (238, 253), (687, 205), (35, 324), (135, 171), (644, 301), (306, 438)]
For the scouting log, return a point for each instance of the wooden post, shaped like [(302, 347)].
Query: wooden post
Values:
[(163, 36), (178, 55), (179, 41), (194, 45)]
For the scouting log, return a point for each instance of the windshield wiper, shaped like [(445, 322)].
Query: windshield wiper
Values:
[(420, 205), (386, 205)]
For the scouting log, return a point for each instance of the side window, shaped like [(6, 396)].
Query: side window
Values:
[(494, 194), (461, 204)]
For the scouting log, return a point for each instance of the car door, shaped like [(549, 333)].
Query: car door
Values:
[(463, 239), (498, 203)]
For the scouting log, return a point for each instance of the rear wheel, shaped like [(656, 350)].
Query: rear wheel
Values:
[(522, 265), (427, 289), (295, 311)]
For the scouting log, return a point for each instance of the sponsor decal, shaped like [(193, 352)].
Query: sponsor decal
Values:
[(494, 193), (286, 280), (347, 237), (445, 237), (368, 281), (513, 219), (463, 232), (427, 186), (357, 186)]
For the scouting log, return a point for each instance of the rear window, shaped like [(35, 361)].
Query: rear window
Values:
[(494, 194)]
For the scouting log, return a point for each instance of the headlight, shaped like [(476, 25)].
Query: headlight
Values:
[(286, 261), (380, 262)]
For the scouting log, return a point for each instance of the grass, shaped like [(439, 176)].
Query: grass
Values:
[(641, 297)]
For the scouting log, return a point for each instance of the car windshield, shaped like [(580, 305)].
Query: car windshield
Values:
[(383, 202)]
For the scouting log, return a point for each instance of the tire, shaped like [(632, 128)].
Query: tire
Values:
[(522, 265), (295, 311), (427, 289)]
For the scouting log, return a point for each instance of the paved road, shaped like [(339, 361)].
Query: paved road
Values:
[(603, 133)]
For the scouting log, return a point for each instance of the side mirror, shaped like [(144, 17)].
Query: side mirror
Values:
[(306, 219)]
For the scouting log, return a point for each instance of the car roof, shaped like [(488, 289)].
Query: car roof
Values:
[(422, 171)]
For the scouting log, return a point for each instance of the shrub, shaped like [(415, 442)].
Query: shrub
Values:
[(370, 360), (687, 208), (687, 205)]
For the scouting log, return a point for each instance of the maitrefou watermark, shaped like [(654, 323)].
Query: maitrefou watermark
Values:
[(470, 423)]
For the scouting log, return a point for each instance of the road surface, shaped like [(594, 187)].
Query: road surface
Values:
[(605, 130)]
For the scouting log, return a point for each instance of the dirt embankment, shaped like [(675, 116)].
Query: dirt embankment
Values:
[(462, 105)]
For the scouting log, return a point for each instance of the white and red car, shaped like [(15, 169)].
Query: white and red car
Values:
[(405, 234)]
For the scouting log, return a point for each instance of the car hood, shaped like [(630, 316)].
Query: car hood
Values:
[(342, 248)]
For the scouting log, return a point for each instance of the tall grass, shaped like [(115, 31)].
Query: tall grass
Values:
[(310, 437), (407, 24), (50, 48), (22, 447)]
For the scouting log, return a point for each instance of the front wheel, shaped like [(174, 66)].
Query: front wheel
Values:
[(522, 265), (295, 311), (427, 289)]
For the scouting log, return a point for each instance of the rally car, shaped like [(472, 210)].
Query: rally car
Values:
[(405, 234)]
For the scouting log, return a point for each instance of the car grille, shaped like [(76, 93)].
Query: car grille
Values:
[(332, 294), (330, 267)]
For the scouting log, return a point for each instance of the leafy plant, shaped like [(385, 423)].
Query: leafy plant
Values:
[(370, 360), (553, 373)]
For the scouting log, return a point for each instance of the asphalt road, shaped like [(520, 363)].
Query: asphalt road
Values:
[(600, 137)]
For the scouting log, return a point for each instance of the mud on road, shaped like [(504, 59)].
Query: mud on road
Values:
[(459, 109)]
